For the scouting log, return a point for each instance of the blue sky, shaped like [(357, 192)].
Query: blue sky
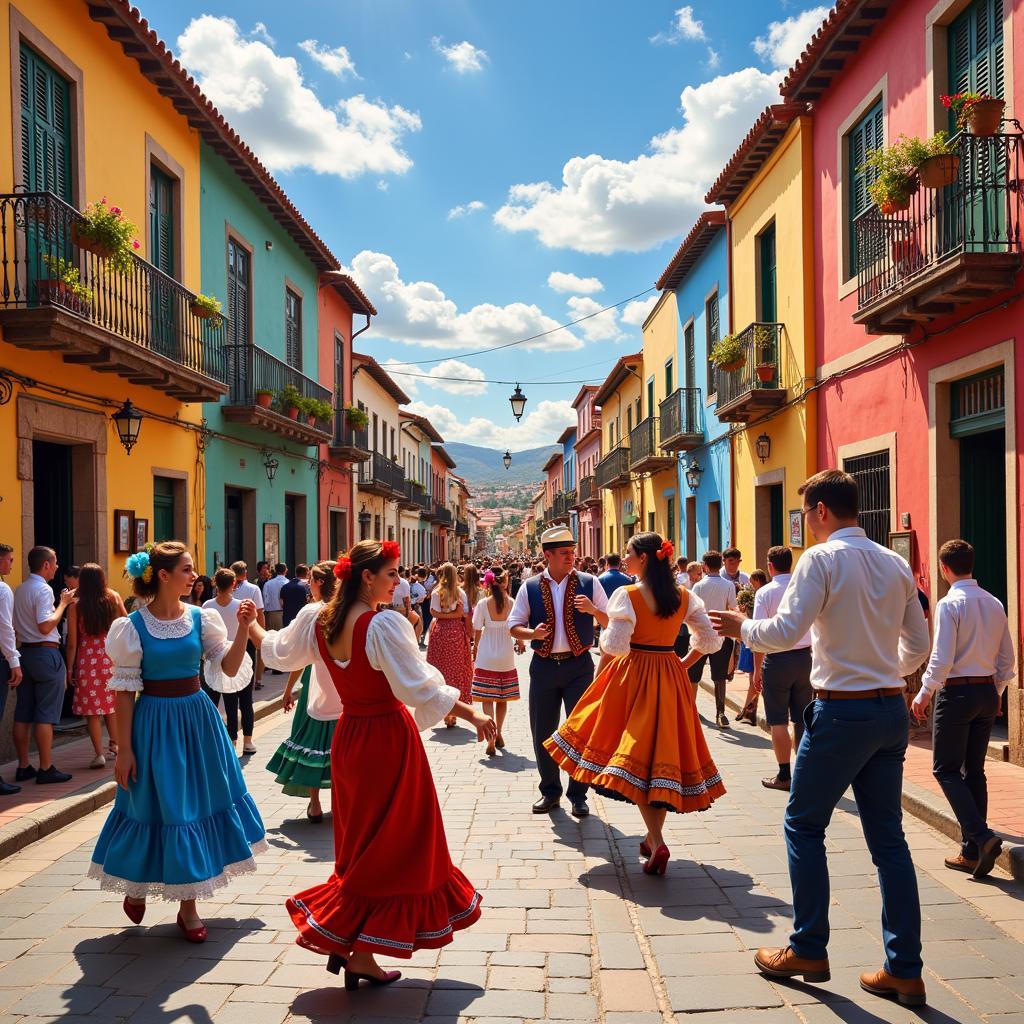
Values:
[(456, 155)]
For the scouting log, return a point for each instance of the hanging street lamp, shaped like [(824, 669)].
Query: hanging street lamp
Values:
[(270, 464), (128, 421), (507, 459), (693, 474), (518, 401), (763, 446)]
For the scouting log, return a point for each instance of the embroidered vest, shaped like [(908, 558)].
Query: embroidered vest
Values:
[(579, 627)]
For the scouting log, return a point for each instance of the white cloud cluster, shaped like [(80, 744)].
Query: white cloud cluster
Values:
[(785, 40), (466, 208), (336, 60), (470, 378), (604, 205), (419, 313), (684, 26), (560, 282), (264, 96), (602, 326), (637, 311), (540, 426), (463, 57)]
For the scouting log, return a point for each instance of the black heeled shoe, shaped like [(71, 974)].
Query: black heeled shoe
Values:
[(352, 979), (335, 963), (314, 818)]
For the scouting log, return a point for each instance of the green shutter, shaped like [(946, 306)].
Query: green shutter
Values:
[(866, 135), (293, 329), (976, 50), (711, 326), (691, 356), (45, 127), (161, 221), (766, 252)]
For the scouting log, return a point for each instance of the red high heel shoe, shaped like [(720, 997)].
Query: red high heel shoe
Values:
[(134, 911), (656, 864), (645, 850), (352, 979), (193, 934)]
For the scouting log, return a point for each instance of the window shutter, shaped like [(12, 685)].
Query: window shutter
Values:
[(293, 329), (711, 328), (45, 126), (866, 135)]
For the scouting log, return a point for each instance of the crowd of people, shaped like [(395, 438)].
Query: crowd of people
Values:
[(828, 649)]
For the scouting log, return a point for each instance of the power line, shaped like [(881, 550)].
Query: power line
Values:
[(476, 380)]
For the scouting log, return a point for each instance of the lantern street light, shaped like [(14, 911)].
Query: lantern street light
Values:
[(270, 464), (693, 474), (128, 421), (518, 401), (763, 445), (507, 459)]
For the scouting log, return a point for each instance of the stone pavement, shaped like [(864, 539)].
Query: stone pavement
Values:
[(571, 929)]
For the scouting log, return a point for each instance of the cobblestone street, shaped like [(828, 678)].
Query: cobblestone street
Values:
[(572, 930)]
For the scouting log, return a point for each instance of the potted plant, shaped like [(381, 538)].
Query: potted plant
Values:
[(204, 306), (105, 231), (357, 418), (290, 401), (64, 285), (976, 112), (728, 353), (764, 349), (895, 175), (319, 410), (264, 396)]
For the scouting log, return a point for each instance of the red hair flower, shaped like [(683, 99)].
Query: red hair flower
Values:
[(390, 550), (343, 567), (666, 551)]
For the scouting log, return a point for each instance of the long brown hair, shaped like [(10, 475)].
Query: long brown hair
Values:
[(471, 584), (658, 577), (366, 555), (96, 608), (448, 587), (498, 588), (323, 573)]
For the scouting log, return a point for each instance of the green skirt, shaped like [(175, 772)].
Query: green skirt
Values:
[(303, 761)]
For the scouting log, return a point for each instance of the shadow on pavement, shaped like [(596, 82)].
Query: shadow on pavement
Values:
[(305, 839)]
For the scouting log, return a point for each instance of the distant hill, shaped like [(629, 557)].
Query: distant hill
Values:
[(484, 465)]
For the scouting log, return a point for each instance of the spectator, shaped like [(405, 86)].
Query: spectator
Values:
[(717, 594), (246, 591), (262, 573), (295, 594), (272, 608), (613, 577), (10, 661), (202, 591), (731, 559)]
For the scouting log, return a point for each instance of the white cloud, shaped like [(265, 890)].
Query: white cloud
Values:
[(785, 40), (382, 185), (714, 58), (637, 311), (471, 207), (337, 61), (263, 95), (542, 425), (470, 382), (260, 30), (602, 327), (419, 312), (464, 57), (560, 282), (684, 26), (604, 205)]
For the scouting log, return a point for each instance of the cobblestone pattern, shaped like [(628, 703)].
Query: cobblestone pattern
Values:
[(572, 930)]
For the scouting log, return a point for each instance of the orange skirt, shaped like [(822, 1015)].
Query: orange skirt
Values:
[(635, 735)]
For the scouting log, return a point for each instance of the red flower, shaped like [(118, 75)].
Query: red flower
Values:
[(390, 550), (666, 550), (343, 567)]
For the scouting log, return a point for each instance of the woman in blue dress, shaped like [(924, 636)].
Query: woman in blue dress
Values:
[(183, 823)]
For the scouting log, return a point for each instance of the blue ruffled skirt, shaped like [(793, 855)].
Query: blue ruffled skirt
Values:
[(188, 824), (746, 659)]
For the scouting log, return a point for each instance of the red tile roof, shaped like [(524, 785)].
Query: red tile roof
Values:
[(694, 244), (620, 371), (126, 26), (346, 287), (361, 361), (445, 457), (423, 423)]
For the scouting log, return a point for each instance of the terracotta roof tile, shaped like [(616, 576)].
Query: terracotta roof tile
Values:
[(361, 361), (694, 244), (618, 374), (347, 288)]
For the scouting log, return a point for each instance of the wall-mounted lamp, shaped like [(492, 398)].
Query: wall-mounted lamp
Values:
[(128, 421), (763, 447), (270, 464), (693, 474)]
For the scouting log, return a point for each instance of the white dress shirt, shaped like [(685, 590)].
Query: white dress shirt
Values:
[(7, 638), (246, 591), (33, 603), (768, 599), (972, 638), (717, 594), (520, 615), (272, 593), (740, 581), (859, 601), (403, 590)]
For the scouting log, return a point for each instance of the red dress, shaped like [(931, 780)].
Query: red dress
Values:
[(394, 888), (93, 670)]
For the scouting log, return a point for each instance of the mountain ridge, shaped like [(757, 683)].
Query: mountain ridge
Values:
[(478, 465)]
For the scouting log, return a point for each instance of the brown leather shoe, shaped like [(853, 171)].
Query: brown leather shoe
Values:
[(784, 963), (775, 782), (987, 854), (908, 991), (961, 863)]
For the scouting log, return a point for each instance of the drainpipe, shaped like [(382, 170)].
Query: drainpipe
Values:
[(352, 475), (732, 440)]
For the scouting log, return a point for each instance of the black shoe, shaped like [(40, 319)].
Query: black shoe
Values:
[(6, 789), (545, 804), (22, 774), (580, 809), (51, 774), (988, 852), (259, 686)]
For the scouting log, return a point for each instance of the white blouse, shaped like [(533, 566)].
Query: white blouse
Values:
[(391, 648), (435, 602), (124, 648), (622, 621)]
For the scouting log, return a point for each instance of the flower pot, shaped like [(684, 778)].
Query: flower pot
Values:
[(293, 412), (60, 293), (310, 419), (89, 244), (985, 116), (894, 206), (765, 372), (264, 399), (729, 367), (939, 171), (203, 312)]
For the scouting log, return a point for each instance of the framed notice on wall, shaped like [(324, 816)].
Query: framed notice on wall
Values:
[(796, 528), (272, 542), (124, 521), (903, 544)]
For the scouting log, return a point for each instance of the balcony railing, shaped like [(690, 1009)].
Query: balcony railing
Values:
[(140, 324), (380, 475), (588, 492), (256, 377), (461, 528), (754, 387), (560, 507), (442, 516), (952, 246), (682, 420), (613, 469), (416, 496), (645, 451), (350, 444)]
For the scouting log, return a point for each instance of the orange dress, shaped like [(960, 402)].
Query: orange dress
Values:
[(635, 735)]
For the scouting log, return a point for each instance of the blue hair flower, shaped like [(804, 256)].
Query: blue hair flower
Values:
[(137, 564)]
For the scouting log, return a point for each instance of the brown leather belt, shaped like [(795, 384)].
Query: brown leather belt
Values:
[(42, 643), (652, 649), (564, 655), (885, 691), (970, 680), (170, 687)]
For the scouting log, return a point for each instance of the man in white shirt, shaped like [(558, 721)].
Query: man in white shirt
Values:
[(718, 594), (40, 692), (784, 677), (246, 591), (970, 667), (731, 558), (273, 609), (859, 600), (10, 661)]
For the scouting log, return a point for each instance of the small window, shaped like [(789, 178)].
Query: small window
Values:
[(629, 419), (866, 134), (668, 381), (293, 328), (650, 399), (711, 326), (670, 520)]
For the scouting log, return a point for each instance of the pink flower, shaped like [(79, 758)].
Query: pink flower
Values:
[(135, 244), (103, 201), (116, 211)]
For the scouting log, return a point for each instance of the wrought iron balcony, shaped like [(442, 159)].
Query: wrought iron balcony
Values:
[(350, 444), (613, 469), (59, 296), (415, 497), (588, 492), (441, 515), (257, 397), (682, 420), (645, 451), (754, 387), (560, 507), (380, 475), (461, 528), (952, 246)]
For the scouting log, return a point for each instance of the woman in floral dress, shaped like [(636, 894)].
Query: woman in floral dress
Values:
[(495, 679), (448, 645)]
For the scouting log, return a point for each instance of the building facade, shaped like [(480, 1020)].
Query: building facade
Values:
[(588, 453), (567, 503)]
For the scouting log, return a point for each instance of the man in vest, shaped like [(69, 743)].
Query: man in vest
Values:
[(555, 611)]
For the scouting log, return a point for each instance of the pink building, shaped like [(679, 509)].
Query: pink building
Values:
[(588, 455), (917, 349), (552, 487)]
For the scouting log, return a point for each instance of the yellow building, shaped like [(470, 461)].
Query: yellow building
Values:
[(619, 399), (659, 485), (766, 189), (79, 338)]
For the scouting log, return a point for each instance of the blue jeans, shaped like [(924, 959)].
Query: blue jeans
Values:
[(860, 742)]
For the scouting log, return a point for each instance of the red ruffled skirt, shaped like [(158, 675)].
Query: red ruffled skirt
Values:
[(394, 889), (448, 652)]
